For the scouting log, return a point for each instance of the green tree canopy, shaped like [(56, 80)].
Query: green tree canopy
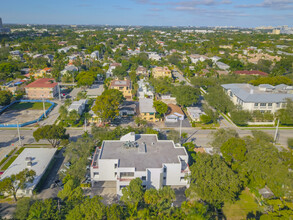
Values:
[(54, 134), (5, 97), (186, 95), (213, 181), (12, 184), (161, 107)]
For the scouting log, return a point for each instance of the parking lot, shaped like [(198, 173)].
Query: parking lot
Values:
[(20, 116)]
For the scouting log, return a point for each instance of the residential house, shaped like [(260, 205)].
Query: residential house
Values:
[(154, 56), (95, 55), (161, 72), (112, 66), (78, 106), (194, 113), (123, 86), (174, 113), (145, 90), (196, 57), (45, 88), (127, 108), (69, 69), (222, 65), (157, 163), (265, 97), (141, 71), (147, 110)]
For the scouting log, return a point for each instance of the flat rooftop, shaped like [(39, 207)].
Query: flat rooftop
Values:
[(157, 152), (40, 158), (263, 93)]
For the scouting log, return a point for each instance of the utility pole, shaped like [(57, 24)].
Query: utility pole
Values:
[(44, 108), (19, 139), (85, 125), (180, 129), (277, 131)]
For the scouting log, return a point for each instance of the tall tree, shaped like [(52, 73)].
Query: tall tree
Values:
[(213, 181), (54, 134), (161, 107)]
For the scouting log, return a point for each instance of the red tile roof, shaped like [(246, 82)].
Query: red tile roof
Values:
[(251, 72), (43, 83)]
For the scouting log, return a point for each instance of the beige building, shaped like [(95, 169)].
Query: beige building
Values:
[(123, 86), (161, 72), (146, 109), (42, 88)]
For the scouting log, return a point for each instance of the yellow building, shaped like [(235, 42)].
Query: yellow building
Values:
[(123, 86), (146, 109), (161, 72)]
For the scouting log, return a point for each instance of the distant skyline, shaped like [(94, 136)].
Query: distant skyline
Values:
[(250, 13)]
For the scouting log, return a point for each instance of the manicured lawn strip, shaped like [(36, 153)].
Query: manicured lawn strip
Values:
[(29, 105), (6, 158), (9, 162), (240, 209)]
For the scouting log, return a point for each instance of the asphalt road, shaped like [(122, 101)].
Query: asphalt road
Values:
[(9, 138)]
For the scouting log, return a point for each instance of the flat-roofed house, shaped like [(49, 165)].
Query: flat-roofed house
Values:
[(161, 72), (45, 88), (157, 162), (123, 86), (264, 98), (78, 106), (146, 109)]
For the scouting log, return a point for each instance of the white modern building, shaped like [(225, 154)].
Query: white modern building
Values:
[(265, 97), (157, 162), (78, 106), (37, 159)]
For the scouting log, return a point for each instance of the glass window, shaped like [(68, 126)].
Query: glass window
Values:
[(143, 178), (263, 104), (255, 104), (165, 169), (270, 104)]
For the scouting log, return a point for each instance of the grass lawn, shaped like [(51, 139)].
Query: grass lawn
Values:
[(9, 162), (239, 210), (29, 105)]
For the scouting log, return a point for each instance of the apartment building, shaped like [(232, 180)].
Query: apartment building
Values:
[(161, 72), (146, 109), (42, 88), (123, 86), (265, 97), (157, 162)]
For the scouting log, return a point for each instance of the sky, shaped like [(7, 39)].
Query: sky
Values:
[(249, 13)]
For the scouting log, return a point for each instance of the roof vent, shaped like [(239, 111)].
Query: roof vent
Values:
[(28, 161), (251, 91)]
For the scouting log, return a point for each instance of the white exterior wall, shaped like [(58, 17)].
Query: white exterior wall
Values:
[(107, 170), (250, 106), (154, 178)]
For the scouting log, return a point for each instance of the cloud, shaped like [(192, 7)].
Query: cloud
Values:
[(273, 4), (155, 9)]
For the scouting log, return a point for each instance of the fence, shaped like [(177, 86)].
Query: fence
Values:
[(30, 122)]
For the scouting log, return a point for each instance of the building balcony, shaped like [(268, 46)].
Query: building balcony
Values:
[(95, 159), (125, 179), (184, 167)]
